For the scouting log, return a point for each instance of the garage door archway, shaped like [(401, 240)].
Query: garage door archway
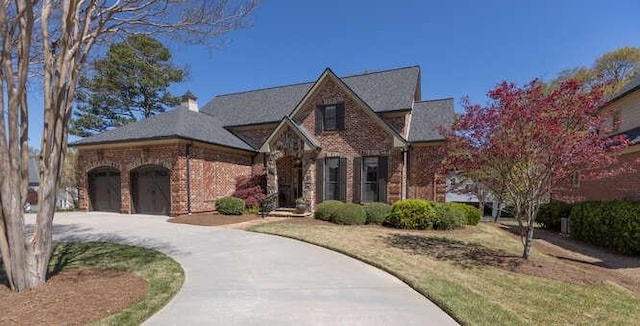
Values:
[(151, 190), (104, 189)]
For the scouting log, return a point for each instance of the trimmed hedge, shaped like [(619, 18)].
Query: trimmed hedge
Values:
[(230, 206), (411, 214), (349, 214), (549, 214), (615, 225), (324, 210), (377, 212), (448, 217), (471, 213)]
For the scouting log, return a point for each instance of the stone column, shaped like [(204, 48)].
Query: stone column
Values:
[(272, 177)]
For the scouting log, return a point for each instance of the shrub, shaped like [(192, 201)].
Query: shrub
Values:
[(230, 205), (549, 215), (615, 225), (471, 213), (349, 214), (411, 214), (448, 217), (376, 212), (251, 189), (324, 210)]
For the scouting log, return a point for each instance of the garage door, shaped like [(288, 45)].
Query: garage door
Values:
[(150, 190), (104, 189)]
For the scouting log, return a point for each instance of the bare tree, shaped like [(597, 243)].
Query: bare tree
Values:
[(56, 38)]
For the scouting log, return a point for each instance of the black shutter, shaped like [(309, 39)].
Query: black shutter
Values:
[(340, 116), (357, 182), (383, 175), (319, 180), (343, 179), (319, 119)]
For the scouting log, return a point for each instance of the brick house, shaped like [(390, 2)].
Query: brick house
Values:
[(620, 186), (359, 138)]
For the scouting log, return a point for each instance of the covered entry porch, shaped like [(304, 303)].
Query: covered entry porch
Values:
[(290, 154)]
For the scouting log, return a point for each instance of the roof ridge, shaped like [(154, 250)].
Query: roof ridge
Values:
[(264, 89), (311, 82), (436, 99), (379, 71)]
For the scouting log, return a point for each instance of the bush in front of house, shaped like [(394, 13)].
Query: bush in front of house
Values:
[(230, 206), (615, 225), (550, 214), (471, 213), (376, 212), (325, 210), (448, 217), (252, 189), (411, 214), (349, 214)]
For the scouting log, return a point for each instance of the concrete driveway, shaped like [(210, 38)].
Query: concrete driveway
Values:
[(236, 277)]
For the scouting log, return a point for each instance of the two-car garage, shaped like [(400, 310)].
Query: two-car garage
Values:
[(150, 190)]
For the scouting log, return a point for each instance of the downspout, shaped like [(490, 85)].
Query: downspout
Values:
[(188, 155), (403, 188)]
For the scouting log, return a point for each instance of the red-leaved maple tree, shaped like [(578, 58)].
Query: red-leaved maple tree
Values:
[(528, 140)]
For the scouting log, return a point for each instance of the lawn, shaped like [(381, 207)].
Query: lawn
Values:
[(90, 262), (476, 274)]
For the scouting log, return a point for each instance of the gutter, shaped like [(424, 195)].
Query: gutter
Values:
[(188, 156)]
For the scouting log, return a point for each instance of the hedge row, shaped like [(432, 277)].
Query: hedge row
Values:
[(615, 225), (352, 214)]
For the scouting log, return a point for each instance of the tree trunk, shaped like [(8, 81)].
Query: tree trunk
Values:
[(528, 243)]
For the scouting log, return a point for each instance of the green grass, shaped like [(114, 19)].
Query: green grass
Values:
[(163, 274), (457, 271)]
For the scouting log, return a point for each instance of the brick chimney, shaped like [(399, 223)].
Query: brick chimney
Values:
[(189, 101)]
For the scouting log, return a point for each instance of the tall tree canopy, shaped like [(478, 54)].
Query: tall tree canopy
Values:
[(613, 71), (48, 43), (132, 81), (528, 140)]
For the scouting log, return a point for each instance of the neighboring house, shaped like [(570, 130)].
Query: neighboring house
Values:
[(361, 138), (619, 186), (65, 197)]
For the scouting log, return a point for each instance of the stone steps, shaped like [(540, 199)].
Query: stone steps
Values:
[(288, 212)]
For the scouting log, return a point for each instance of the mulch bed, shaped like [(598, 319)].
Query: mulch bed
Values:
[(72, 297), (574, 269), (212, 219)]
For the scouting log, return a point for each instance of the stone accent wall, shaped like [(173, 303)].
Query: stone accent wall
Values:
[(213, 172), (424, 162), (362, 136), (621, 186)]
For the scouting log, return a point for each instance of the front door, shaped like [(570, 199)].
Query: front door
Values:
[(296, 183)]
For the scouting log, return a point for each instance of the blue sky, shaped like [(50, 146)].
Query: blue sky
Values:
[(463, 47)]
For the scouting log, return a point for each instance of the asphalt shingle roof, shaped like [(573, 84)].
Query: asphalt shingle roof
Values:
[(426, 116), (387, 90), (179, 122)]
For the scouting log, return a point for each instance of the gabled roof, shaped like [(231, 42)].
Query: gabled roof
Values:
[(630, 87), (309, 140), (398, 140), (426, 116), (177, 123), (383, 91)]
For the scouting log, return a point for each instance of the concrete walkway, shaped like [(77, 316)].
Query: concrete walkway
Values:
[(236, 277)]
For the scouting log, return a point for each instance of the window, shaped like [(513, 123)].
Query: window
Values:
[(370, 182), (330, 118), (332, 166), (370, 175), (575, 180)]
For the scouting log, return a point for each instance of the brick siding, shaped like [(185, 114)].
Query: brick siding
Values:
[(213, 172)]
